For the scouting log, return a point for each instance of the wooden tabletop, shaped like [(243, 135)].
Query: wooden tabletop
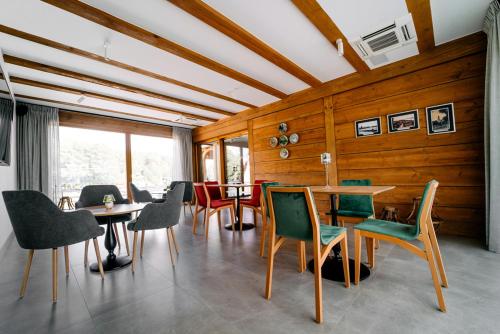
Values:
[(351, 190), (117, 209), (235, 185)]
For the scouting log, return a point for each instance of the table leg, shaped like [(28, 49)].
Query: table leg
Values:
[(332, 268), (246, 226), (112, 261)]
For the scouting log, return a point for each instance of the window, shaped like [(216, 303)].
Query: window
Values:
[(151, 162), (208, 162), (237, 162), (91, 157)]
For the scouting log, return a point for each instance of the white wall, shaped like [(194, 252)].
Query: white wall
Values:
[(7, 182)]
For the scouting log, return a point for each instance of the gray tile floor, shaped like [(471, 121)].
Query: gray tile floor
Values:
[(217, 287)]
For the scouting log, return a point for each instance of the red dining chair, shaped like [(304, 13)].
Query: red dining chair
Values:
[(253, 203), (210, 206)]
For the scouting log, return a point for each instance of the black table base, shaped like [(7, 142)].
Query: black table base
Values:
[(246, 226), (112, 263), (333, 269)]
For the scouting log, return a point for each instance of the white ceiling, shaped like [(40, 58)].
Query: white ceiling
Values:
[(278, 23)]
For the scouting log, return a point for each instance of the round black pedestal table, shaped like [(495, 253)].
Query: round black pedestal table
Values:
[(112, 262)]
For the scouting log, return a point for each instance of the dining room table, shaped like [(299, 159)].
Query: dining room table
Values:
[(332, 268), (112, 261), (238, 187)]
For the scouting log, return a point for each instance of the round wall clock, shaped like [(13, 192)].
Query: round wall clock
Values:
[(273, 141), (283, 140), (294, 138), (284, 153), (282, 128)]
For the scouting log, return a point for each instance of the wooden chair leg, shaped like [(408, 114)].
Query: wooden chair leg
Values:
[(86, 255), (242, 208), (142, 241), (66, 260), (54, 275), (134, 251), (125, 236), (207, 223), (357, 256), (218, 216), (170, 248), (115, 228), (270, 264), (341, 223), (370, 251), (377, 244), (437, 254), (345, 261), (195, 219), (301, 254), (432, 267), (318, 287), (233, 220), (254, 217), (26, 275), (173, 239), (98, 256), (263, 236)]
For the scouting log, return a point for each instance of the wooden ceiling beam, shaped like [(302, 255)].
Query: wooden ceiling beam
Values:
[(79, 76), (320, 19), (422, 18), (63, 89), (216, 20), (69, 104), (111, 22), (82, 53)]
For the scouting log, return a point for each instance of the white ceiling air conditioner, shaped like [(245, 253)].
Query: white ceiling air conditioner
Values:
[(187, 120), (373, 47)]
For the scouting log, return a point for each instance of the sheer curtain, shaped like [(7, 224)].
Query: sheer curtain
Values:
[(6, 114), (491, 126), (38, 148), (182, 167)]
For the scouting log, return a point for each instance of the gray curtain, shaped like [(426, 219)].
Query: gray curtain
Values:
[(182, 167), (6, 113), (491, 125), (38, 148)]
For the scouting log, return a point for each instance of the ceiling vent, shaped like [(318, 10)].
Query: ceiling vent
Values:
[(187, 120), (372, 47)]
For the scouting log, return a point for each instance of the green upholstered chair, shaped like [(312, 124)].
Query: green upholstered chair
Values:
[(292, 213), (355, 206), (402, 235)]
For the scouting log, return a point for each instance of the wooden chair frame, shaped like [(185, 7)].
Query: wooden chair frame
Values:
[(256, 210), (430, 252), (31, 252), (320, 252), (207, 213), (170, 236)]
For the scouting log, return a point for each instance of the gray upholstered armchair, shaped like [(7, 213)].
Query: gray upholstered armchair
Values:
[(92, 196), (39, 224), (188, 193), (143, 196), (159, 215)]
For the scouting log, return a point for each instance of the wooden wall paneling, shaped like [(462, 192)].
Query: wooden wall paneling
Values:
[(330, 139), (251, 152), (106, 123)]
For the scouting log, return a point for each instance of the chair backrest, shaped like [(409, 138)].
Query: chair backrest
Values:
[(293, 212), (188, 189), (357, 203), (213, 192), (140, 196), (30, 212), (94, 194), (256, 189), (161, 215), (423, 220), (263, 187), (201, 194)]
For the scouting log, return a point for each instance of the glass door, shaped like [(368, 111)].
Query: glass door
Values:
[(236, 160), (208, 157)]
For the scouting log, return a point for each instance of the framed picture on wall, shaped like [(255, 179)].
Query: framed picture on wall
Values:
[(440, 119), (368, 127), (403, 121)]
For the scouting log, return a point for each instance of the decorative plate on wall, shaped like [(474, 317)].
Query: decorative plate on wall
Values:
[(273, 141), (282, 128), (283, 140), (294, 138), (284, 153)]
